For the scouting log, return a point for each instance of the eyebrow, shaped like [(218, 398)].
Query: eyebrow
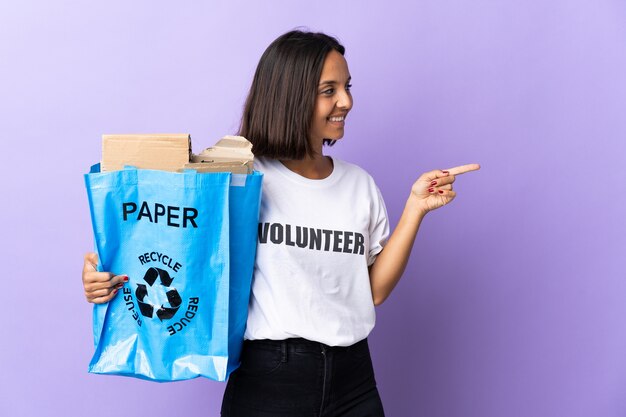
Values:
[(333, 81)]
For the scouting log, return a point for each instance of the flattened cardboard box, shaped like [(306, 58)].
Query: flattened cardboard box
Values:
[(162, 151)]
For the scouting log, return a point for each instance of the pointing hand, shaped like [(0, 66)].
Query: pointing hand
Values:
[(433, 189)]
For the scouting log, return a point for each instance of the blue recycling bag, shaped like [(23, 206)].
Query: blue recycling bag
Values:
[(187, 242)]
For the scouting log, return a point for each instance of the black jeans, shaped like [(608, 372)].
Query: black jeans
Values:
[(300, 378)]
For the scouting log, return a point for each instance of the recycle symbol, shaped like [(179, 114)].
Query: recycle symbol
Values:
[(144, 300)]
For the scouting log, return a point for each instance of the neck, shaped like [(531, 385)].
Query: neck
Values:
[(316, 167)]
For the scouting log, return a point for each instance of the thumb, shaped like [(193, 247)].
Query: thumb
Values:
[(434, 174), (91, 258)]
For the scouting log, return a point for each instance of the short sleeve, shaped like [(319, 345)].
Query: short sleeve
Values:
[(379, 226)]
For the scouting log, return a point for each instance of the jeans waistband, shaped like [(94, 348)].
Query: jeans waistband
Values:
[(300, 344)]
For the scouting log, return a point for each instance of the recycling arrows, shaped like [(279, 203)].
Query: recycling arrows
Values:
[(173, 298)]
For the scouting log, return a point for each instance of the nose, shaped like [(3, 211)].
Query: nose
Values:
[(344, 100)]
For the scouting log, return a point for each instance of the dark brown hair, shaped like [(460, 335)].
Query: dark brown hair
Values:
[(279, 108)]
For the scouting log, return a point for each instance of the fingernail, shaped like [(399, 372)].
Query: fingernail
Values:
[(440, 191), (446, 172), (125, 279), (431, 190), (115, 291), (433, 183), (120, 285)]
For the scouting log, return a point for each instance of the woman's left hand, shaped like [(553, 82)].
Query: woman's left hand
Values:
[(433, 189)]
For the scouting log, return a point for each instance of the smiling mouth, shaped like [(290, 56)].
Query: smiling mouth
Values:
[(336, 119)]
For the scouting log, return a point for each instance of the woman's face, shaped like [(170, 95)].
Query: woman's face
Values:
[(333, 101)]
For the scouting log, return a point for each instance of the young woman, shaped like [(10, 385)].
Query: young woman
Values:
[(324, 254)]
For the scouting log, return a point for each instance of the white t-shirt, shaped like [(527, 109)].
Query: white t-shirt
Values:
[(316, 241)]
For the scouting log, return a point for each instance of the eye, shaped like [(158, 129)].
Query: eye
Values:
[(348, 87), (329, 91)]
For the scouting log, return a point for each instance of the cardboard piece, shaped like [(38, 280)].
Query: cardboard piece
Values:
[(231, 153), (162, 151), (234, 167)]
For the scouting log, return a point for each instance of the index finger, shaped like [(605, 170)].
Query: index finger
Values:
[(102, 277), (463, 169)]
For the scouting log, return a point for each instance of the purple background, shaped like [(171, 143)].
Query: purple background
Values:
[(514, 300)]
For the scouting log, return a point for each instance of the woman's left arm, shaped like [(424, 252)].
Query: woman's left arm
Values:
[(431, 191)]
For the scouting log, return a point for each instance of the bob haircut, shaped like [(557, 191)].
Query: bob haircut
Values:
[(279, 109)]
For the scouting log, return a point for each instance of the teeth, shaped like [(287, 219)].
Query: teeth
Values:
[(336, 119)]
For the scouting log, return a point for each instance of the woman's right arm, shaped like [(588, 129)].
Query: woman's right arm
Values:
[(100, 287)]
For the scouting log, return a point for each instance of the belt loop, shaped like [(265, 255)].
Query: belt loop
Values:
[(283, 348)]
